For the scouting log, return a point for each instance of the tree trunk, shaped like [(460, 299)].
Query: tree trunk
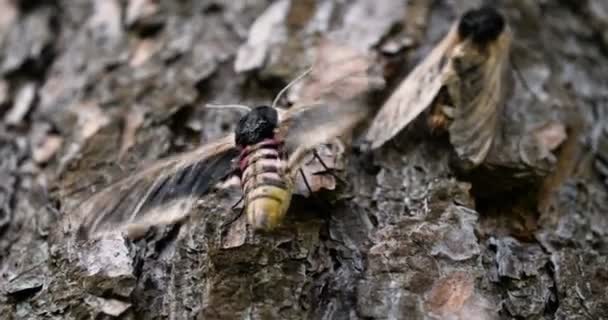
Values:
[(92, 89)]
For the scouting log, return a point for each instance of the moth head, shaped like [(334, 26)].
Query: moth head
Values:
[(257, 125), (481, 25)]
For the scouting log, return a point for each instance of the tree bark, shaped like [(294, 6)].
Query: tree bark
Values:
[(92, 89)]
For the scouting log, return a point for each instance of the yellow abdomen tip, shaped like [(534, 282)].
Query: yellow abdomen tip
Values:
[(267, 210)]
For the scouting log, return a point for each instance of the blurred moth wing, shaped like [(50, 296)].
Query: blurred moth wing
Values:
[(160, 194), (472, 67), (339, 73), (330, 101), (414, 94)]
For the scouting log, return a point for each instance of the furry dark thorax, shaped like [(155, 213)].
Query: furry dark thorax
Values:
[(256, 126), (483, 25)]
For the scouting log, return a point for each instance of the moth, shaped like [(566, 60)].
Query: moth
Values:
[(464, 79), (265, 151)]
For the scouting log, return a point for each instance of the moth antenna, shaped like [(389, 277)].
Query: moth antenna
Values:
[(239, 107), (289, 85)]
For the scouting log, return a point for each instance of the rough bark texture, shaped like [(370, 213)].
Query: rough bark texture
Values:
[(89, 89)]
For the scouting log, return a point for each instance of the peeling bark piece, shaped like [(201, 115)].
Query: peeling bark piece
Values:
[(7, 18), (142, 51), (106, 22), (142, 13), (365, 22), (111, 307), (90, 118), (133, 120), (23, 102), (27, 39), (108, 266), (25, 284), (395, 46), (27, 274), (87, 49), (47, 148), (516, 260), (266, 31)]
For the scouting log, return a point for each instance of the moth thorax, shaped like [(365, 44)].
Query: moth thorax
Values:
[(481, 25), (256, 126)]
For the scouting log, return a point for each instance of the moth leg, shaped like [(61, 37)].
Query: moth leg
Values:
[(305, 181), (236, 171), (237, 203), (327, 169), (442, 113), (238, 216), (323, 204), (318, 157)]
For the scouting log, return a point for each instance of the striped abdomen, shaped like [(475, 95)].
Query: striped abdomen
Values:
[(266, 184)]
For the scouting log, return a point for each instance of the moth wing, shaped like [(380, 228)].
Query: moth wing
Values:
[(160, 194), (339, 72), (478, 99), (319, 124), (414, 94), (329, 101)]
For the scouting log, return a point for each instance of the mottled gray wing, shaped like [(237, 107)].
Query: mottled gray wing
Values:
[(330, 101), (477, 87), (414, 94), (160, 194), (319, 124)]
